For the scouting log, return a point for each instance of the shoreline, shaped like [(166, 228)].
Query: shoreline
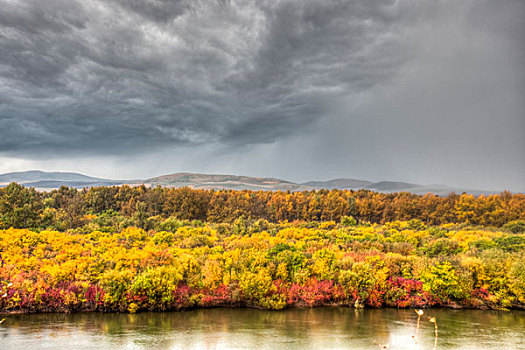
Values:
[(245, 306)]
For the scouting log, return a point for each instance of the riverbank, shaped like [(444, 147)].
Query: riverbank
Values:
[(302, 305), (262, 265)]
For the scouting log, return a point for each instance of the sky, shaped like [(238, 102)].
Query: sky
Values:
[(430, 92)]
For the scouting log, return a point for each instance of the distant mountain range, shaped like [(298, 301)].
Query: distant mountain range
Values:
[(37, 175), (50, 180), (339, 184), (206, 181)]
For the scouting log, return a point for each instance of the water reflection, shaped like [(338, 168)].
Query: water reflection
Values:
[(333, 328)]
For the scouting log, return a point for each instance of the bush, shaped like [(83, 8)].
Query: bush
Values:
[(164, 237), (444, 281), (348, 221), (441, 246), (157, 285), (517, 226), (511, 243)]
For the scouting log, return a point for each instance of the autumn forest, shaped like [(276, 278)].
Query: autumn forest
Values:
[(132, 249)]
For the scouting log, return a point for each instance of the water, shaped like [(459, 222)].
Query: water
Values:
[(330, 328)]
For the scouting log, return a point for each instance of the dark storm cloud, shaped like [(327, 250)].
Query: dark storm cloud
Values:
[(128, 76), (413, 90)]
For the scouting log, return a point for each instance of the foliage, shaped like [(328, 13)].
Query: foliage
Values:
[(111, 209), (261, 264), (517, 226)]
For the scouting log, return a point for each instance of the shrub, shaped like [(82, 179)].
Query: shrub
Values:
[(348, 221), (158, 285), (517, 226), (441, 246), (443, 281)]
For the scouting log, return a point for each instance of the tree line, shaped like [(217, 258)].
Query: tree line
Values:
[(124, 206)]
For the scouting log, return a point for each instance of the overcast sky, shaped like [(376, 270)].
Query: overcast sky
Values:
[(412, 90)]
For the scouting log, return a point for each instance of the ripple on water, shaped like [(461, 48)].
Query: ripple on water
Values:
[(323, 328)]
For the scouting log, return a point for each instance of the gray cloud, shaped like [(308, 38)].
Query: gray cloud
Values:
[(369, 88), (126, 76)]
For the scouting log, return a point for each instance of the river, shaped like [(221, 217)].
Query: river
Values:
[(329, 328)]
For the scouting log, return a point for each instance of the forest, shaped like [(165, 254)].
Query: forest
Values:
[(146, 208), (131, 249)]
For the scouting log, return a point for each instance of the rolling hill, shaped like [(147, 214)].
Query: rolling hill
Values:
[(339, 184), (50, 180), (212, 181), (37, 175)]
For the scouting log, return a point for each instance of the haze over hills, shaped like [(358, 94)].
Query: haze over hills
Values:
[(212, 181), (37, 175), (50, 180), (392, 186), (338, 184)]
